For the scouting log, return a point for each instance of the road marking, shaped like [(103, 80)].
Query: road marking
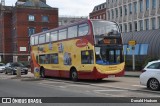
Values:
[(110, 90), (62, 86), (139, 85)]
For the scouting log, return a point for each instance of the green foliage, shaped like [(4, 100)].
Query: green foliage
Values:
[(149, 59), (129, 65)]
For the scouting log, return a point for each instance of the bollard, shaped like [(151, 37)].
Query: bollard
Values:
[(36, 73), (18, 72)]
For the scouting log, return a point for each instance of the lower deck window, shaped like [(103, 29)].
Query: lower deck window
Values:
[(87, 57)]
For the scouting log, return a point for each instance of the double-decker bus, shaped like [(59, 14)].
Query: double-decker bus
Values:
[(88, 49)]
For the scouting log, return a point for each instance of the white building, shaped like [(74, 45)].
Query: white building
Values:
[(66, 20), (134, 15)]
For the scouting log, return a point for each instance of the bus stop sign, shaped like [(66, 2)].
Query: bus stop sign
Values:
[(132, 43)]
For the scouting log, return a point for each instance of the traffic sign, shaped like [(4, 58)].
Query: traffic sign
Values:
[(132, 43)]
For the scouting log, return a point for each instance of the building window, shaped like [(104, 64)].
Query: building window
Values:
[(135, 26), (45, 19), (130, 8), (125, 49), (112, 14), (130, 27), (108, 15), (147, 24), (143, 49), (44, 29), (31, 18), (141, 25), (147, 4), (153, 23), (116, 12), (120, 27), (121, 11), (125, 27), (125, 10), (153, 4), (137, 49), (31, 31), (141, 5), (135, 7)]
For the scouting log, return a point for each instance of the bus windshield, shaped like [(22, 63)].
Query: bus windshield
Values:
[(107, 56), (108, 43), (103, 29)]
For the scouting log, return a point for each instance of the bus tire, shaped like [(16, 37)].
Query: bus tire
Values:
[(42, 72), (74, 74)]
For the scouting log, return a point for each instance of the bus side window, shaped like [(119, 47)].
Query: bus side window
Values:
[(42, 59), (87, 57), (83, 29), (47, 59), (54, 58)]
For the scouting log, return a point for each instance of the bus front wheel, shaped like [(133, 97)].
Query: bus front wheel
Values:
[(42, 73), (74, 74)]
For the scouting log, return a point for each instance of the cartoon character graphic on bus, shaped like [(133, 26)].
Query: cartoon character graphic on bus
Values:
[(67, 58)]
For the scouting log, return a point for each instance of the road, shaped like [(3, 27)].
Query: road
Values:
[(57, 87)]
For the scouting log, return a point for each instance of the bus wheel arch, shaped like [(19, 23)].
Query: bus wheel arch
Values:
[(73, 74), (42, 72)]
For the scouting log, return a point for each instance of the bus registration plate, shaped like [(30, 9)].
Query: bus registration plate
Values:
[(111, 76)]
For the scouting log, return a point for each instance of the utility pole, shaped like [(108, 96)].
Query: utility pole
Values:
[(133, 46)]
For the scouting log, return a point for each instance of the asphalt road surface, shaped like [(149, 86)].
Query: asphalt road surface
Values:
[(120, 89)]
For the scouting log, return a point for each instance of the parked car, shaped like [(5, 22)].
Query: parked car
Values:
[(2, 67), (151, 75), (12, 68)]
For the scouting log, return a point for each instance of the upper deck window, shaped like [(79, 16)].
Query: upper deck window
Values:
[(62, 34), (104, 27), (32, 41), (36, 40), (41, 39), (72, 32), (47, 37), (83, 29), (54, 36)]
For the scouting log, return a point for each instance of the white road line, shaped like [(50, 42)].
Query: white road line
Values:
[(110, 90), (62, 86), (139, 85)]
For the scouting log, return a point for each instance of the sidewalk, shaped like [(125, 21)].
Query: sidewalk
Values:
[(132, 73)]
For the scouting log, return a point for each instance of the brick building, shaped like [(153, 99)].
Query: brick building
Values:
[(99, 12), (19, 22)]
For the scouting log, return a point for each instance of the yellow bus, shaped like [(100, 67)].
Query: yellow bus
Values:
[(88, 49)]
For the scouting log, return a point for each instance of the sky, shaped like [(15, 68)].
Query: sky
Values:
[(69, 7)]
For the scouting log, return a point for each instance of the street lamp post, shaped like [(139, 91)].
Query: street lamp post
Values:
[(133, 46)]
